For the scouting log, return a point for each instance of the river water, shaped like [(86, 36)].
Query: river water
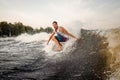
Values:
[(27, 57)]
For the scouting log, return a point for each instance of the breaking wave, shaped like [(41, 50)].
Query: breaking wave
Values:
[(94, 57)]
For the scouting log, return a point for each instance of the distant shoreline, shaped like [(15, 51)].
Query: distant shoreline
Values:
[(13, 30)]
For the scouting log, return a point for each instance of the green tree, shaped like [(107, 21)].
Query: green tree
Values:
[(41, 29), (28, 29), (5, 28), (9, 29), (20, 28), (48, 29)]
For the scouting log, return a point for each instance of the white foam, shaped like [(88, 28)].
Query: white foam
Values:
[(43, 37), (31, 38), (67, 47)]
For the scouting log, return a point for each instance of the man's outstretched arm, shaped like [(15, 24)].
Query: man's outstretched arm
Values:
[(69, 34), (50, 37)]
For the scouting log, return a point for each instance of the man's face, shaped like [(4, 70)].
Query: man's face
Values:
[(55, 25)]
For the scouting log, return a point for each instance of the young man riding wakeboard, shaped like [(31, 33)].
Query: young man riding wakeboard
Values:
[(58, 35)]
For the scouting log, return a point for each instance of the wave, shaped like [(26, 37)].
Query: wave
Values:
[(32, 38), (94, 57), (43, 37), (113, 37)]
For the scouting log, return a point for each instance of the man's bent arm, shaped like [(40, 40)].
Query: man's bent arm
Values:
[(69, 34), (72, 35), (50, 38)]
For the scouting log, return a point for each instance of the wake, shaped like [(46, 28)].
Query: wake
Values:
[(43, 37), (93, 58)]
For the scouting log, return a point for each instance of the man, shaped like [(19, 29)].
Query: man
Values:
[(58, 35)]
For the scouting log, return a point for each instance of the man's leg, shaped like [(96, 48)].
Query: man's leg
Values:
[(57, 43)]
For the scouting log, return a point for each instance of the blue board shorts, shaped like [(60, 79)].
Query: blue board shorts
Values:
[(61, 38)]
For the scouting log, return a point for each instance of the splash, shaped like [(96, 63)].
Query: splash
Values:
[(32, 38), (112, 52), (90, 58), (43, 37), (66, 48), (113, 37)]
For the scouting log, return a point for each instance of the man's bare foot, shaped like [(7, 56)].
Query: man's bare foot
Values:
[(58, 48)]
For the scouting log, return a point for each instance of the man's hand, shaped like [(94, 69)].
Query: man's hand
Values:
[(78, 39), (47, 43)]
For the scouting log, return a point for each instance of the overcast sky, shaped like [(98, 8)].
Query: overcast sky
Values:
[(75, 13)]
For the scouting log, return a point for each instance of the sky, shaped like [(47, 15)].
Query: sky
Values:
[(69, 13)]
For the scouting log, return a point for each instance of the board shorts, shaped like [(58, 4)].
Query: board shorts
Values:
[(61, 38)]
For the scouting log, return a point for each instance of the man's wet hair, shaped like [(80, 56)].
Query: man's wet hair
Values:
[(55, 22)]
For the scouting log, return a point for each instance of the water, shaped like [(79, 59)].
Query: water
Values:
[(27, 57)]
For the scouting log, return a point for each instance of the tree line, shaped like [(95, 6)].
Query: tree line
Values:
[(9, 29)]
